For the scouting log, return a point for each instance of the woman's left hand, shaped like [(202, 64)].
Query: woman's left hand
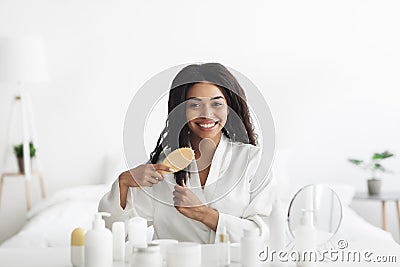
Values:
[(188, 204)]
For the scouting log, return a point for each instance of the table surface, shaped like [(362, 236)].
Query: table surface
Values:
[(60, 256), (392, 196), (49, 257)]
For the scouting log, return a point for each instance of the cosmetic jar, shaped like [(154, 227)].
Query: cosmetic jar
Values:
[(186, 254), (149, 256), (164, 244)]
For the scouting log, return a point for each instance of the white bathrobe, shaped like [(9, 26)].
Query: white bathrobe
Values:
[(242, 200)]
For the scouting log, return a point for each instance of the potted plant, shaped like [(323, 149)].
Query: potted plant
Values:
[(19, 153), (374, 165)]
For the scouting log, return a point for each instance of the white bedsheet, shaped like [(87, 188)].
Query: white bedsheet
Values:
[(52, 221)]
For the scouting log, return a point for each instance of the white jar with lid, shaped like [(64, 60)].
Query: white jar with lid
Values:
[(187, 254), (164, 243), (149, 256), (136, 229)]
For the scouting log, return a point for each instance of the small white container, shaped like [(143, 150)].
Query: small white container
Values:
[(137, 231), (164, 243), (186, 254), (147, 256), (78, 247), (137, 235), (250, 247), (118, 232)]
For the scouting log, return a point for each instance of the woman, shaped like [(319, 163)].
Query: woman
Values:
[(207, 111)]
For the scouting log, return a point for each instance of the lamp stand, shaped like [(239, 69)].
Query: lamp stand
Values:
[(28, 134)]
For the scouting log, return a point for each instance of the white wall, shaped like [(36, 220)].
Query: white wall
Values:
[(328, 69)]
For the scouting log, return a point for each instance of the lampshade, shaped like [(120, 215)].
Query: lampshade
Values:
[(23, 60)]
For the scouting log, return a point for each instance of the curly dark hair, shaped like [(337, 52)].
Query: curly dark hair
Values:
[(175, 133)]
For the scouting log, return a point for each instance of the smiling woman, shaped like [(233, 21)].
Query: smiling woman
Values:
[(208, 112)]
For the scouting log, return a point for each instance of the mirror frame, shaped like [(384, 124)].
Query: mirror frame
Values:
[(291, 235)]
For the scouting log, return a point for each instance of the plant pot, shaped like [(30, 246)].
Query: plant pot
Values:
[(374, 186), (21, 166)]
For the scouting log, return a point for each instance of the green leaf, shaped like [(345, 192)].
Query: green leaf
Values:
[(384, 155), (32, 150), (356, 161), (378, 166)]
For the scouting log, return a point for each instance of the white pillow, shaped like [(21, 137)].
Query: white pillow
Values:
[(89, 193)]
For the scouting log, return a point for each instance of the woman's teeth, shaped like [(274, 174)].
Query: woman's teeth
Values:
[(208, 125)]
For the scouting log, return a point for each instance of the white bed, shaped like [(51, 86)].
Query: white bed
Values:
[(52, 220)]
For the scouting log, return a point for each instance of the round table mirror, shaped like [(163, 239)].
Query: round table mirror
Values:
[(325, 215)]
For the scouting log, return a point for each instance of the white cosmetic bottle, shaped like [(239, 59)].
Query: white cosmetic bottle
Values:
[(78, 247), (277, 236), (99, 244), (305, 237), (250, 248), (224, 255), (118, 232)]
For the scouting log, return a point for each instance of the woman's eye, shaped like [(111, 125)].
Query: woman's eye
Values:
[(217, 104), (194, 105)]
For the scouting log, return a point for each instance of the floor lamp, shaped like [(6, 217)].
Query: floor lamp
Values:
[(22, 62)]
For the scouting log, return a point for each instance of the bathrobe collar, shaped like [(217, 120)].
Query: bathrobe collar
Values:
[(219, 164)]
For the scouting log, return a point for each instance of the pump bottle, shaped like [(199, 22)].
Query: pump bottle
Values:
[(306, 237), (99, 244)]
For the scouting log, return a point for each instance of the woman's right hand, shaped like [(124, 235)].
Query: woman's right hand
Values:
[(143, 175)]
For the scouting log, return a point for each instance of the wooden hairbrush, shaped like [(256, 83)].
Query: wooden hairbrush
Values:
[(178, 159)]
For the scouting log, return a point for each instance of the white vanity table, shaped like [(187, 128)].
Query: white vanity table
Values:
[(60, 257)]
